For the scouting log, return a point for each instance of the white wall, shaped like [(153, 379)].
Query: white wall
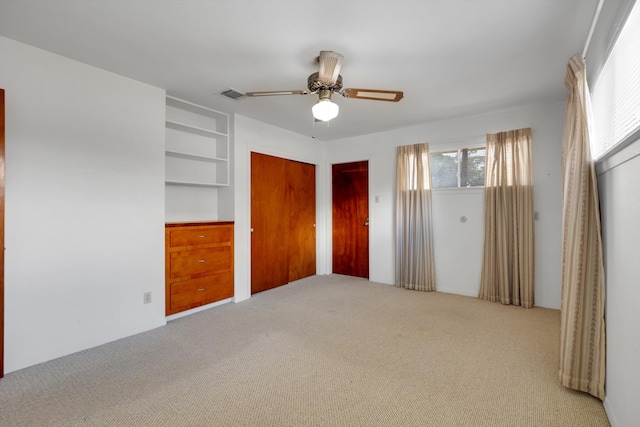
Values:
[(84, 205), (458, 245), (451, 237), (251, 135), (619, 189)]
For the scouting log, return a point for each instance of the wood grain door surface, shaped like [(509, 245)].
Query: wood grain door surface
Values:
[(268, 223), (283, 237), (301, 217), (350, 213)]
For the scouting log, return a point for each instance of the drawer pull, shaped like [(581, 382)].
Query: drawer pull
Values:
[(202, 289), (202, 260), (202, 236)]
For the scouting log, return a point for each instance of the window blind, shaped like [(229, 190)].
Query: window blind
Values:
[(616, 95)]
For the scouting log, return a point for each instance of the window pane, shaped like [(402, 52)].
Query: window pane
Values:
[(616, 95), (458, 168), (472, 164), (444, 169)]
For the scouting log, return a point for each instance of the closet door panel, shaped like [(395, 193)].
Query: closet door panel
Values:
[(268, 223), (301, 214)]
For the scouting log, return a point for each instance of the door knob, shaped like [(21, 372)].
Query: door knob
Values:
[(366, 223)]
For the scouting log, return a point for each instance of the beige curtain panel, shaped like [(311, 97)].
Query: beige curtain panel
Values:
[(508, 259), (582, 328), (414, 236)]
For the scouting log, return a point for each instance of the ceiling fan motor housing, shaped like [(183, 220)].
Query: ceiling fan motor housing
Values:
[(315, 84)]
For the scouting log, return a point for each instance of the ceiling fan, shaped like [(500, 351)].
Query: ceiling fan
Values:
[(328, 81)]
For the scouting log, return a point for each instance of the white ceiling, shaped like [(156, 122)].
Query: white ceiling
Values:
[(450, 57)]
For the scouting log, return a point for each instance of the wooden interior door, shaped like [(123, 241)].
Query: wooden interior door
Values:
[(268, 223), (1, 233), (350, 213), (301, 217)]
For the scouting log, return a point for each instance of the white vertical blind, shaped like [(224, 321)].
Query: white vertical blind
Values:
[(616, 95)]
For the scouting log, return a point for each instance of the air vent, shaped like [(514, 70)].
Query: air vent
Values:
[(232, 93)]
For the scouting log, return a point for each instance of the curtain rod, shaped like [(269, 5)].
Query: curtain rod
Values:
[(593, 27)]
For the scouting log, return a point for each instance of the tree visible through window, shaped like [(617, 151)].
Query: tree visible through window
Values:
[(458, 168)]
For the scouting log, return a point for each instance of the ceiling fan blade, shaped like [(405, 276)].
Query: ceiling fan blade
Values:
[(374, 94), (330, 64), (278, 92)]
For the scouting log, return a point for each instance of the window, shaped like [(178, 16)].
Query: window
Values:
[(459, 168), (616, 94)]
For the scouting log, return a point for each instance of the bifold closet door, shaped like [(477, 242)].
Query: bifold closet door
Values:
[(268, 223), (283, 234), (301, 219)]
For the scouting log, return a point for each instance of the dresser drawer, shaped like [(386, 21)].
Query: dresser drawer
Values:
[(200, 261), (191, 293), (198, 264), (200, 235)]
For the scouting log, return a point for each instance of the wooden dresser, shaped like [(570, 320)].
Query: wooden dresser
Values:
[(198, 264)]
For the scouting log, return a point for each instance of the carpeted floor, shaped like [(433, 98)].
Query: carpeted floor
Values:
[(323, 351)]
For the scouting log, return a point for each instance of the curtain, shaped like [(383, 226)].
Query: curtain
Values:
[(582, 328), (508, 258), (414, 236)]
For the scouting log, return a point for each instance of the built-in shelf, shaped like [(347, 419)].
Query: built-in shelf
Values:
[(195, 156), (197, 130), (192, 183), (196, 159)]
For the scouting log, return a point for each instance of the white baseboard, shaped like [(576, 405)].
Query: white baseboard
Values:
[(197, 309), (609, 411), (456, 292)]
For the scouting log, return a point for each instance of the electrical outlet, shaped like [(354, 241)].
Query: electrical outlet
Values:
[(147, 297)]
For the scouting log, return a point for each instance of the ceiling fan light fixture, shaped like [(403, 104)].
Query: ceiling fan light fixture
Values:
[(325, 110)]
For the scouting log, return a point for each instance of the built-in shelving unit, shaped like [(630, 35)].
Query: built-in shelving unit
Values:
[(196, 160)]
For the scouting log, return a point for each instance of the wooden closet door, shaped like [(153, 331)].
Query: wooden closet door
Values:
[(301, 216), (283, 219), (268, 222)]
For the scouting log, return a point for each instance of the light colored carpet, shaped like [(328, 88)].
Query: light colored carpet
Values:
[(323, 351)]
